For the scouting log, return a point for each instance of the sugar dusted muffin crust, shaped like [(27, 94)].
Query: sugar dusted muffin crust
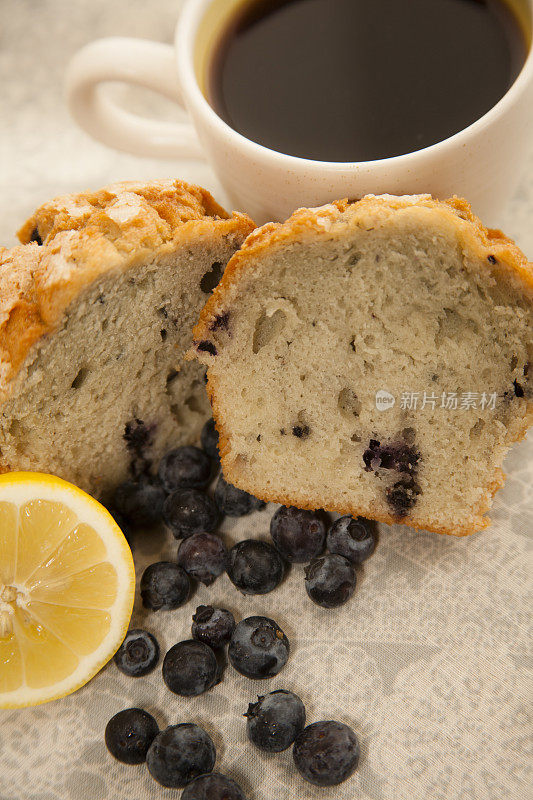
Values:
[(96, 312)]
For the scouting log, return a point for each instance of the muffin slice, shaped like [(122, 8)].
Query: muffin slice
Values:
[(373, 358), (96, 312)]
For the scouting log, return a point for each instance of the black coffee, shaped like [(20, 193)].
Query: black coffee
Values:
[(355, 80)]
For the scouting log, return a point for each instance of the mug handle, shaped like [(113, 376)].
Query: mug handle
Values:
[(141, 63)]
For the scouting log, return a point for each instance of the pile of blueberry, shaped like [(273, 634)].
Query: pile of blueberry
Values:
[(300, 537), (180, 755), (177, 496), (258, 648), (325, 753)]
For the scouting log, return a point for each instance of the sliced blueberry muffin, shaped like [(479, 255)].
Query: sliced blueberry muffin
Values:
[(373, 358), (96, 312)]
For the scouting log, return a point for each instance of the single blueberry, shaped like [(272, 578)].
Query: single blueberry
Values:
[(138, 654), (209, 439), (164, 586), (274, 722), (203, 556), (140, 502), (139, 437), (326, 753), (301, 431), (213, 787), (399, 456), (189, 511), (330, 581), (122, 523), (258, 648), (129, 734), (179, 754), (205, 346), (518, 389), (35, 237), (220, 322), (355, 539), (235, 502), (184, 468), (403, 495), (254, 567), (298, 535), (190, 668), (213, 626)]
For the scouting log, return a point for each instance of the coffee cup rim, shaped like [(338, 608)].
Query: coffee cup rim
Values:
[(185, 40)]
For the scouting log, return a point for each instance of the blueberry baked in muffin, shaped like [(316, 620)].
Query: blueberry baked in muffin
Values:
[(96, 312), (373, 358)]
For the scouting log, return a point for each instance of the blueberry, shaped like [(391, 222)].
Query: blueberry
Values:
[(164, 585), (122, 524), (139, 437), (518, 389), (235, 502), (402, 495), (138, 654), (205, 346), (190, 511), (209, 439), (213, 626), (275, 720), (398, 456), (190, 668), (184, 468), (129, 734), (326, 753), (213, 787), (254, 567), (203, 556), (258, 648), (301, 431), (179, 754), (330, 581), (355, 539), (140, 502), (35, 237), (220, 322), (298, 535)]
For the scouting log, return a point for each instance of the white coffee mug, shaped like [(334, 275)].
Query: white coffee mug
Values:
[(482, 163)]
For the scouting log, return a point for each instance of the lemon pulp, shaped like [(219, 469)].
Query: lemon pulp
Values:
[(66, 588)]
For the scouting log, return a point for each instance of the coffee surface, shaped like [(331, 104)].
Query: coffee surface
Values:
[(356, 80)]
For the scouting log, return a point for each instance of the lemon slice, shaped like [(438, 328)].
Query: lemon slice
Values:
[(67, 584)]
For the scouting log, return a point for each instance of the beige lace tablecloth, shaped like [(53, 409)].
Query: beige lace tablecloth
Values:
[(428, 662)]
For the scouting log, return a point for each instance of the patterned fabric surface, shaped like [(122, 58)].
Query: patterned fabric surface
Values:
[(428, 662)]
